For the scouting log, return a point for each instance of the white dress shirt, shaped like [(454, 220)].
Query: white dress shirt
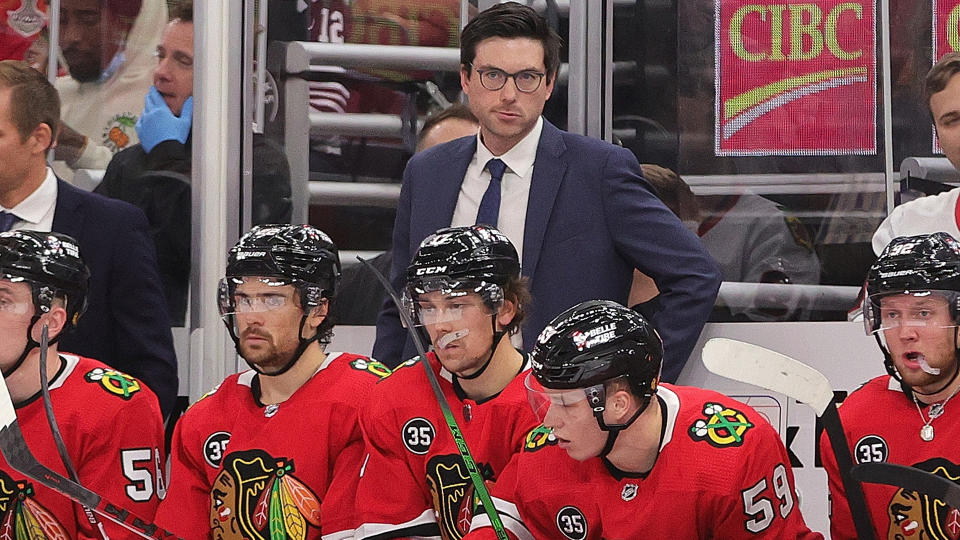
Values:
[(35, 213), (514, 187)]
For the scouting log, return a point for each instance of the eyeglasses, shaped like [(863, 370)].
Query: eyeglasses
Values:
[(527, 81)]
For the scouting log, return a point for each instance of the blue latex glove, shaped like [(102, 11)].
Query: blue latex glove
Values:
[(158, 124)]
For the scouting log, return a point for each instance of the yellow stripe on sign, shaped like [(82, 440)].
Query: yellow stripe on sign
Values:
[(744, 101)]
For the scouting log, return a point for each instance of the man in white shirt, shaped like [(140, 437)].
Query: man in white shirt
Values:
[(126, 324), (577, 209), (939, 212)]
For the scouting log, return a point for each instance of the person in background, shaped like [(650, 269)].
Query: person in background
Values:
[(577, 209), (108, 48), (126, 325)]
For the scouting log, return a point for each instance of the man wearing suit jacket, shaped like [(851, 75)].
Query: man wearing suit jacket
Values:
[(577, 209), (126, 324)]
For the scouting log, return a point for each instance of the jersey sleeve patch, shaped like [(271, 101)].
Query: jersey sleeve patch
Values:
[(721, 426), (113, 382), (371, 366), (539, 437)]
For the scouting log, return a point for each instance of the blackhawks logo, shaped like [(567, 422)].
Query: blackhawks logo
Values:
[(23, 517), (452, 492), (539, 437), (722, 426), (257, 497), (370, 366), (915, 515), (114, 382), (116, 134)]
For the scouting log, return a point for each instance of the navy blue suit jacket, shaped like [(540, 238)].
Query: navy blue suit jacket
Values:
[(591, 219), (126, 325)]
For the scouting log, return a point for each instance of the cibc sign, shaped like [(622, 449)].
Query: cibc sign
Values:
[(795, 78)]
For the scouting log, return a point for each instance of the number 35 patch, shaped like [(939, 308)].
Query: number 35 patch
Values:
[(572, 523)]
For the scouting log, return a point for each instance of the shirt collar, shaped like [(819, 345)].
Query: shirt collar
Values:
[(33, 209), (520, 158)]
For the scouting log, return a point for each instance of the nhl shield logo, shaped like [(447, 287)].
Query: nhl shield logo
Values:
[(629, 492)]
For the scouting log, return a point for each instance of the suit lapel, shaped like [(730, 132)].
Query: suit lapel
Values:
[(548, 171), (67, 215), (434, 206)]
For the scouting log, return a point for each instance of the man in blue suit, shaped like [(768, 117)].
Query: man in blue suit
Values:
[(126, 324), (578, 209)]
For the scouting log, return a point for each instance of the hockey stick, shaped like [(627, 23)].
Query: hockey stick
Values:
[(55, 428), (15, 450), (478, 486), (909, 478), (768, 369)]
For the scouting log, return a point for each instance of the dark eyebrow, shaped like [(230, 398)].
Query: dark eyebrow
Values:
[(182, 57)]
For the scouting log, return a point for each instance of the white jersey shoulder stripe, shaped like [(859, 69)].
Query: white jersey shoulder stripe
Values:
[(370, 530), (509, 516)]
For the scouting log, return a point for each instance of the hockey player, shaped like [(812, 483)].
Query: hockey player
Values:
[(622, 456), (110, 422), (274, 452), (464, 287), (912, 308)]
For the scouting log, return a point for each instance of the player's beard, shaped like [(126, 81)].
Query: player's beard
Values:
[(268, 355)]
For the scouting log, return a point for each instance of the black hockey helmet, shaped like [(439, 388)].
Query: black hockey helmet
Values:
[(51, 264), (588, 345), (299, 253), (919, 266), (594, 342), (478, 258)]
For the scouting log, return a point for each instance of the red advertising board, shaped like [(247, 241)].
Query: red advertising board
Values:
[(795, 79), (946, 38)]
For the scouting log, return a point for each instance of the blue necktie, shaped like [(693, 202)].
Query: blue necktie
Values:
[(7, 219), (490, 204)]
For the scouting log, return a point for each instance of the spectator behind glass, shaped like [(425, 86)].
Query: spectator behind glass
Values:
[(940, 212), (126, 324), (154, 174), (750, 237), (358, 282), (108, 47)]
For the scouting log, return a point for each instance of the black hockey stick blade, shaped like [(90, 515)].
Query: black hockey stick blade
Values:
[(759, 366), (909, 478), (15, 450)]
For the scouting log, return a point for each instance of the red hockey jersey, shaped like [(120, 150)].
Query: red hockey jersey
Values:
[(242, 470), (881, 424), (113, 431), (722, 472), (414, 477)]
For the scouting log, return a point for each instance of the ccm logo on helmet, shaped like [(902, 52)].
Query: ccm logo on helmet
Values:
[(431, 270)]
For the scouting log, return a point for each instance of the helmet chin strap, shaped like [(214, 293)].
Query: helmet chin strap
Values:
[(304, 343), (614, 431), (909, 390), (31, 344), (497, 336)]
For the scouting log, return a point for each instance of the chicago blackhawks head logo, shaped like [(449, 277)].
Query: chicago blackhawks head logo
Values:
[(452, 493), (539, 437), (256, 497), (913, 515), (21, 516), (118, 384), (721, 427)]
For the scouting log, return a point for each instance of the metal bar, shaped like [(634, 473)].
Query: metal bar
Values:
[(354, 194), (216, 143), (577, 59), (357, 124), (929, 168), (303, 56), (53, 52), (831, 297), (891, 181)]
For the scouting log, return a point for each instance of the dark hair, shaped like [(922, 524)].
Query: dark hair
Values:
[(33, 100), (517, 290), (459, 111), (940, 74), (673, 191), (182, 11), (510, 20)]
